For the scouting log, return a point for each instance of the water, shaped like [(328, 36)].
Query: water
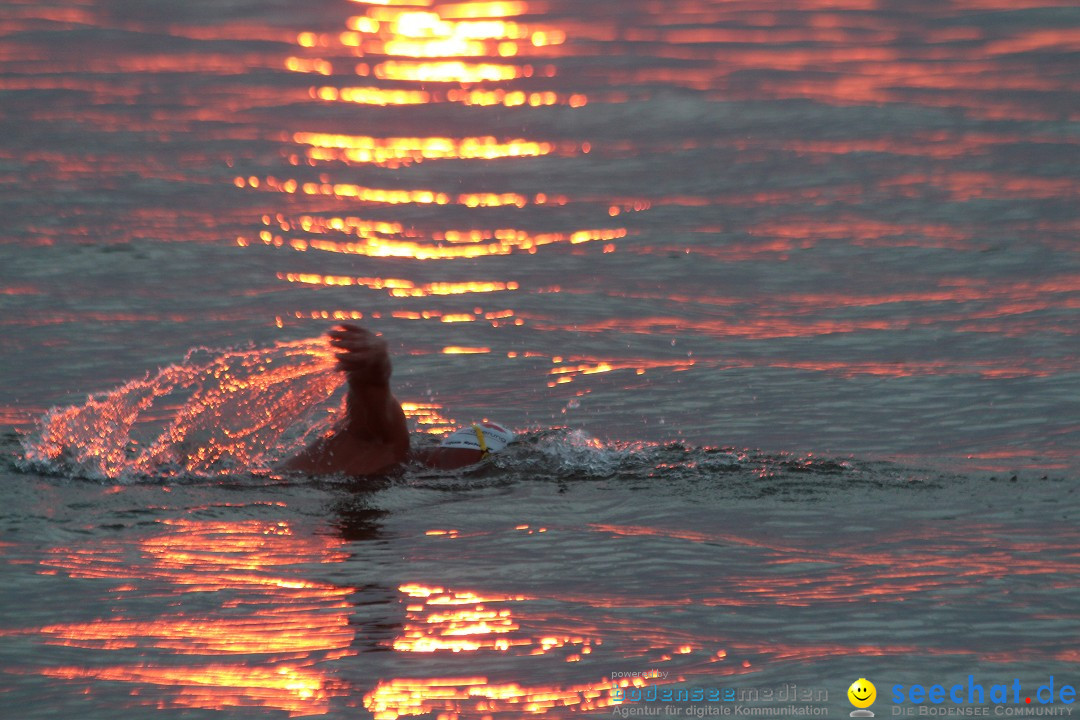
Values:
[(781, 297)]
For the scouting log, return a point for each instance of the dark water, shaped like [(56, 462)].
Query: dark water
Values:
[(781, 296)]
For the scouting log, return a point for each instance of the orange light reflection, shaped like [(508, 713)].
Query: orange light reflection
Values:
[(429, 417), (397, 151), (462, 350), (458, 243), (443, 620), (462, 620), (456, 697), (578, 366), (280, 625), (458, 44), (297, 690), (381, 195), (398, 287)]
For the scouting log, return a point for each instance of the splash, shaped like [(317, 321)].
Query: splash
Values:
[(562, 454), (217, 412)]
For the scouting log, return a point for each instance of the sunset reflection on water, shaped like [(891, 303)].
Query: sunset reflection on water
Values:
[(411, 46), (246, 618), (765, 261), (425, 43), (366, 195), (242, 626)]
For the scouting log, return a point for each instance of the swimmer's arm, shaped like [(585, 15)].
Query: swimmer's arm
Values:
[(373, 414), (374, 436)]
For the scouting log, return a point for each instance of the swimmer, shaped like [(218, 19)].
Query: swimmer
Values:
[(373, 438)]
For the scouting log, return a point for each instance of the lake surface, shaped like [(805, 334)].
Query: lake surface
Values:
[(782, 299)]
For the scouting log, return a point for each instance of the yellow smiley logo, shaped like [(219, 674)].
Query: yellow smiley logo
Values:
[(862, 693)]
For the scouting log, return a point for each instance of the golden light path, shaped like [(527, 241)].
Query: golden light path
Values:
[(495, 317), (457, 622), (387, 196), (455, 47), (397, 151), (398, 287), (846, 56), (457, 697), (263, 645), (446, 245), (452, 49), (429, 417), (477, 97), (460, 621), (464, 53), (284, 636), (298, 691)]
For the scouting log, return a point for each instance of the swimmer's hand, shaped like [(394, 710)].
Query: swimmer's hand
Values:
[(364, 356)]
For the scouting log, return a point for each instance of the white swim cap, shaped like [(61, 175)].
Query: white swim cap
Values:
[(487, 436)]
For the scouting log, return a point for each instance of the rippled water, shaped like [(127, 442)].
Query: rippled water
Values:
[(781, 296)]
